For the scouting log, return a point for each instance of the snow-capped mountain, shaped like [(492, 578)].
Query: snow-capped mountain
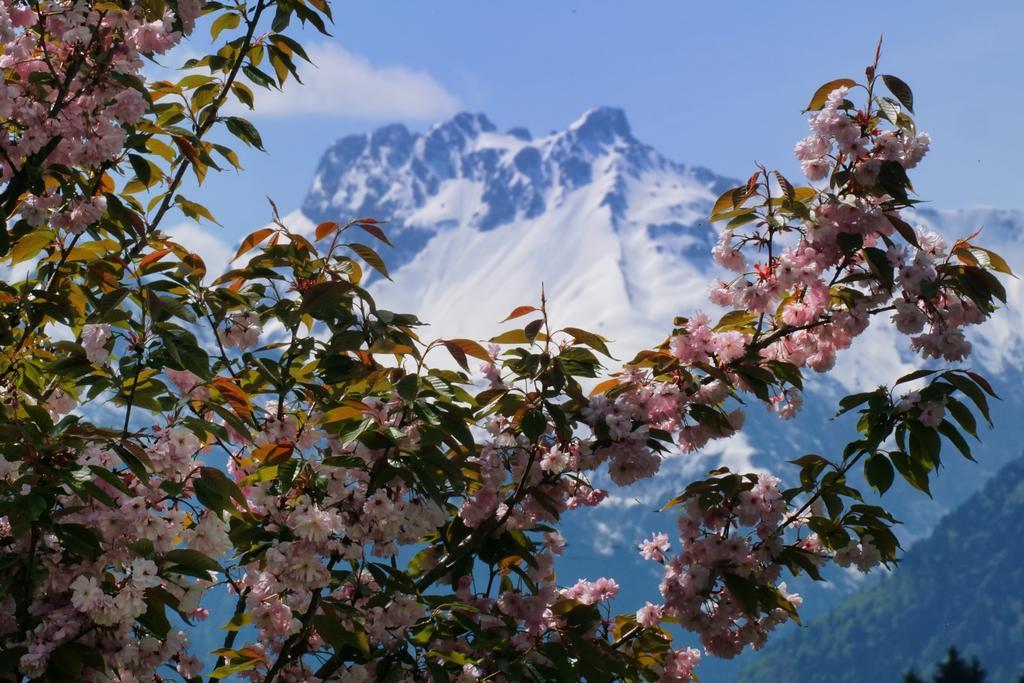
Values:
[(617, 234), (614, 230)]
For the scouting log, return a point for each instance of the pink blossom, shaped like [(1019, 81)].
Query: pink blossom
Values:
[(649, 615), (655, 547), (94, 339), (188, 384)]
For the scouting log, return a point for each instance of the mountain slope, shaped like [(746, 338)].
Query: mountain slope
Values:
[(962, 586)]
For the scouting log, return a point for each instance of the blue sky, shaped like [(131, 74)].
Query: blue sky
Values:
[(714, 84)]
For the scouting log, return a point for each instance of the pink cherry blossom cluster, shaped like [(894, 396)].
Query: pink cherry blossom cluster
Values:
[(804, 316), (508, 461), (72, 87), (347, 520), (242, 332), (834, 131), (647, 404), (94, 341), (713, 551), (97, 601)]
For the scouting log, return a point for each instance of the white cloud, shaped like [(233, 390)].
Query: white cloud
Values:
[(340, 83), (607, 539)]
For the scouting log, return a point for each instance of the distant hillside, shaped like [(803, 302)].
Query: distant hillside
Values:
[(964, 585)]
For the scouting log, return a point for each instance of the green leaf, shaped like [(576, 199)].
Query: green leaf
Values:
[(29, 245), (534, 424), (83, 540), (532, 329), (408, 387), (956, 438), (325, 295), (193, 210), (744, 592), (592, 340), (787, 187), (215, 490), (259, 77), (848, 403), (733, 320), (963, 415), (968, 387), (510, 337), (237, 622), (725, 201), (244, 131), (137, 461), (787, 372), (236, 666), (890, 109), (849, 242), (879, 472), (155, 617), (901, 90), (914, 473), (880, 266), (916, 374), (905, 230), (192, 559), (142, 169), (339, 637), (925, 444)]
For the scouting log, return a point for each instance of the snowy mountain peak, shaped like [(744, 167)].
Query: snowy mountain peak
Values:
[(520, 133), (603, 124), (463, 124), (463, 172), (604, 220)]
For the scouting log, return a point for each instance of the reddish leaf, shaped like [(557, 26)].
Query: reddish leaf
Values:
[(471, 348), (238, 399), (458, 354), (153, 257), (252, 239), (375, 231), (982, 382), (519, 312), (325, 229)]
